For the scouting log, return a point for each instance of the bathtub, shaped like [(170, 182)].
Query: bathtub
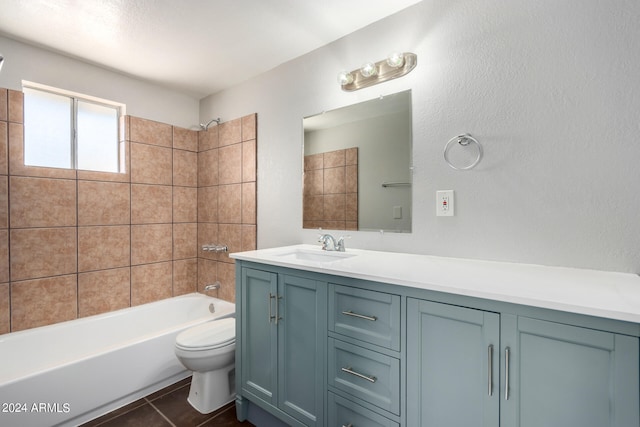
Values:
[(71, 372)]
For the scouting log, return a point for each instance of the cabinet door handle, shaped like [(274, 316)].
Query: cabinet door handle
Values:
[(369, 378), (507, 356), (278, 317), (347, 425), (490, 370), (359, 316), (271, 316)]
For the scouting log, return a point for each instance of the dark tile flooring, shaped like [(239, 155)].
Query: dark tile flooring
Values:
[(168, 408)]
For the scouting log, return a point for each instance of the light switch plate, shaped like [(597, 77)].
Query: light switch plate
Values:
[(444, 203)]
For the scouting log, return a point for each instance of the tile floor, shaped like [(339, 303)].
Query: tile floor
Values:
[(168, 408)]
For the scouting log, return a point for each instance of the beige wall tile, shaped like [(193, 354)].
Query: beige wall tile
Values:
[(351, 179), (249, 160), (151, 243), (249, 127), (151, 204), (16, 106), (185, 168), (230, 235), (313, 207), (43, 301), (230, 164), (334, 180), (351, 156), (314, 162), (185, 204), (4, 256), (4, 144), (103, 247), (16, 158), (185, 240), (104, 203), (185, 139), (4, 202), (230, 203), (208, 168), (249, 203), (151, 282), (5, 313), (42, 202), (208, 204), (230, 132), (208, 139), (207, 235), (314, 182), (334, 159), (42, 252), (185, 276), (249, 238), (4, 97), (207, 273), (103, 291), (351, 207), (334, 207), (150, 132), (226, 277), (151, 164)]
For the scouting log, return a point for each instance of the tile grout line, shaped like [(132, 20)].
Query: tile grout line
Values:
[(160, 412)]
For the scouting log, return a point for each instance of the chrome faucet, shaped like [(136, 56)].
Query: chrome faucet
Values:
[(329, 243), (212, 286)]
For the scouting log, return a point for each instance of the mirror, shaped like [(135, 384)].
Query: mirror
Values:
[(357, 166)]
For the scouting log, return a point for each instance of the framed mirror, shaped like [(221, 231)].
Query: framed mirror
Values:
[(357, 166)]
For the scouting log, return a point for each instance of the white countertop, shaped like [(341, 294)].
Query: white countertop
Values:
[(591, 292)]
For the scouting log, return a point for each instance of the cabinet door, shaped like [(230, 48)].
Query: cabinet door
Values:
[(569, 376), (259, 334), (301, 348), (452, 366)]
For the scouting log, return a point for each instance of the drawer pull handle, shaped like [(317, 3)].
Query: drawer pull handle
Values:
[(347, 425), (271, 316), (359, 316), (369, 378)]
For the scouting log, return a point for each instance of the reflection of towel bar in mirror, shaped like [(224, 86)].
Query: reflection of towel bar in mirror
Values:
[(396, 184)]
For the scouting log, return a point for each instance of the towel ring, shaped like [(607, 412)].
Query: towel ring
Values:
[(463, 140)]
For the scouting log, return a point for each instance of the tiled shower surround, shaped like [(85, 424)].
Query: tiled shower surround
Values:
[(78, 243)]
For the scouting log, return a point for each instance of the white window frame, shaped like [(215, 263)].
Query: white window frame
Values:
[(75, 97)]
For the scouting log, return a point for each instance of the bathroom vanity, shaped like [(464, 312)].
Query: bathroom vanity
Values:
[(387, 339)]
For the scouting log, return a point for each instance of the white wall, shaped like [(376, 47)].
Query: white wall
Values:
[(550, 88), (25, 62)]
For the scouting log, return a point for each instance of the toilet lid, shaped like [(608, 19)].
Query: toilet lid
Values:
[(209, 335)]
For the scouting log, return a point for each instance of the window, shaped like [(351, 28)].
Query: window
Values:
[(68, 130)]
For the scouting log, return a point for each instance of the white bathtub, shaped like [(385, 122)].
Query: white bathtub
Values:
[(72, 372)]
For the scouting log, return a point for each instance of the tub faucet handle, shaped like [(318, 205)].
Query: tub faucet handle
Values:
[(212, 286)]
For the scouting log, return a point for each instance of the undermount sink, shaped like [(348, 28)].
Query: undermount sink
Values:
[(314, 255)]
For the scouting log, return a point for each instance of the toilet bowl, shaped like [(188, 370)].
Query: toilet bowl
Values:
[(209, 351)]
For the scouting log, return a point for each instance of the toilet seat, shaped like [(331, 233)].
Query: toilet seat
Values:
[(208, 336)]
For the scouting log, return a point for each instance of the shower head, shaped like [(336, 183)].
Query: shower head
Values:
[(206, 127)]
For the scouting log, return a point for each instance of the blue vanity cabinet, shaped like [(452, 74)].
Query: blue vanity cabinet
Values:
[(452, 365), (474, 367), (283, 335), (564, 375)]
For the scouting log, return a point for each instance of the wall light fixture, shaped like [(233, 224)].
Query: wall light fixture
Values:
[(396, 65)]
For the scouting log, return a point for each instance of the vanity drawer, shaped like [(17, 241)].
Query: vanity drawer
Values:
[(343, 412), (365, 374), (370, 316)]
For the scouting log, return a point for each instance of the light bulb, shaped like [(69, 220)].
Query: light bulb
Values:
[(345, 78), (395, 59), (369, 69)]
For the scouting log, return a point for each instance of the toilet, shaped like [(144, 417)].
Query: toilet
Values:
[(208, 350)]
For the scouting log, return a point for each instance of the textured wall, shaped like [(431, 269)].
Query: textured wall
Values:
[(548, 87)]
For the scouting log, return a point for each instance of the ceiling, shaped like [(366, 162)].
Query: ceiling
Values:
[(196, 46)]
